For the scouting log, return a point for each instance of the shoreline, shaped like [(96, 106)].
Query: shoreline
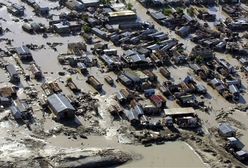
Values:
[(198, 155)]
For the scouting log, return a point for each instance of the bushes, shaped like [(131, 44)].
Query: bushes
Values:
[(129, 6), (167, 11), (179, 10), (191, 11), (86, 28)]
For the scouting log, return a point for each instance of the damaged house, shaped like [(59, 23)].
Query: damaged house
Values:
[(134, 59), (14, 75)]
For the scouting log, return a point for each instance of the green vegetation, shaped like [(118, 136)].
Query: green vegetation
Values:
[(191, 11), (84, 17), (167, 11), (105, 2), (179, 10), (199, 60), (86, 28), (129, 6)]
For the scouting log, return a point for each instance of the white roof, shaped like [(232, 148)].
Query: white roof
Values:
[(179, 111)]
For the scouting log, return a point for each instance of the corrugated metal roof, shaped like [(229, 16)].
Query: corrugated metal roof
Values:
[(138, 109), (233, 89), (131, 115), (226, 128), (16, 112), (59, 103), (179, 111), (22, 50)]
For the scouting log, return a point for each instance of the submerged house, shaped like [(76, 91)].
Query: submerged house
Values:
[(226, 130), (17, 114), (134, 59), (90, 3), (24, 53), (61, 106), (132, 116), (16, 9), (14, 76), (74, 5), (41, 10)]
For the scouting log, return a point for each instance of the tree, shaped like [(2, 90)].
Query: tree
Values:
[(179, 10), (129, 6), (167, 11), (86, 28), (105, 2), (199, 60), (191, 11)]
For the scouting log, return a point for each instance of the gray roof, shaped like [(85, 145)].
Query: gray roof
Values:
[(120, 96), (16, 112), (238, 144), (201, 88), (138, 58), (241, 153), (184, 30), (233, 89), (158, 15), (125, 79), (215, 81), (11, 69), (81, 65), (225, 128), (131, 75), (59, 103), (74, 4), (23, 50), (90, 1), (138, 109), (131, 115), (108, 60)]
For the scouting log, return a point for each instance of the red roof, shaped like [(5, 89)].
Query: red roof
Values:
[(157, 99)]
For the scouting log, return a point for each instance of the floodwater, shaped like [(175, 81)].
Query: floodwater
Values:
[(171, 154)]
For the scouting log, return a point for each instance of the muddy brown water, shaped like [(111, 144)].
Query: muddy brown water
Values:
[(171, 154)]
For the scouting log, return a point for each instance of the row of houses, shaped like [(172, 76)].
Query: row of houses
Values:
[(79, 6), (233, 145), (39, 9)]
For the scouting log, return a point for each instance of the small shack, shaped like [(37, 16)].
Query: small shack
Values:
[(36, 71), (226, 130)]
